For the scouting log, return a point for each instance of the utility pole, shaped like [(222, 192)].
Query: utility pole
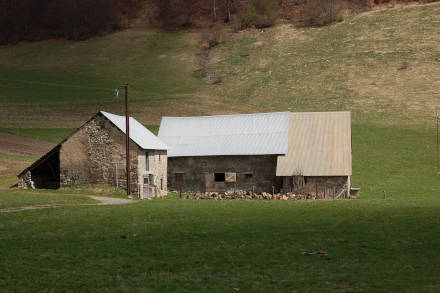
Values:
[(127, 138)]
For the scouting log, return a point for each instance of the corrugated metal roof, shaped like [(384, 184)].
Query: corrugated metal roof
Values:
[(243, 134), (138, 133), (319, 145)]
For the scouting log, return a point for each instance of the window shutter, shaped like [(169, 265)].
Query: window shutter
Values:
[(230, 177)]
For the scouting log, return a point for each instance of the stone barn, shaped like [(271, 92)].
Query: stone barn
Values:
[(95, 154), (307, 153)]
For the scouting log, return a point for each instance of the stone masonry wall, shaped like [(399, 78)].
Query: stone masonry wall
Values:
[(25, 181), (96, 154), (157, 167), (255, 173)]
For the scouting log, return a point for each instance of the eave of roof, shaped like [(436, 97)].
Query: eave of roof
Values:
[(139, 134)]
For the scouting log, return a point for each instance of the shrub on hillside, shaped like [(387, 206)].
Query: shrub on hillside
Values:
[(260, 13), (195, 13), (322, 12), (212, 37)]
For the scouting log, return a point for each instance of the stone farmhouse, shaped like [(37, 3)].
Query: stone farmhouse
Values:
[(95, 154), (306, 153)]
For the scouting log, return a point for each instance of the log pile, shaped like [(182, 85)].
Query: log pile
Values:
[(247, 195)]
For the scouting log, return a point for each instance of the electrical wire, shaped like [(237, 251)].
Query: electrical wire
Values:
[(59, 85), (56, 86)]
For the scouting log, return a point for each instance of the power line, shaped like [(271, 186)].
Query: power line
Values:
[(54, 86), (60, 84)]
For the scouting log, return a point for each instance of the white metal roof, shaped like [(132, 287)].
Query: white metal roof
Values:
[(319, 145), (243, 134), (138, 133)]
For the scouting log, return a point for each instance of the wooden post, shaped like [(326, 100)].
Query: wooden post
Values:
[(116, 174), (127, 140), (384, 194), (180, 189)]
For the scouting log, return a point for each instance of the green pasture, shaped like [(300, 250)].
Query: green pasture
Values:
[(22, 199), (367, 245)]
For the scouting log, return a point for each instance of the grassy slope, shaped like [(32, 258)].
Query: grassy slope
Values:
[(10, 166), (353, 65), (166, 245), (158, 66)]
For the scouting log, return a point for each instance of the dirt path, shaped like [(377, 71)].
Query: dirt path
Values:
[(111, 200), (23, 146), (102, 201)]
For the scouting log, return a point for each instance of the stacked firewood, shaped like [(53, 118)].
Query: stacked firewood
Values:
[(247, 195)]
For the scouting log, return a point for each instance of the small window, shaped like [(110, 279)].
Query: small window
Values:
[(146, 181), (219, 177), (147, 167), (161, 184), (248, 176), (230, 177), (159, 157)]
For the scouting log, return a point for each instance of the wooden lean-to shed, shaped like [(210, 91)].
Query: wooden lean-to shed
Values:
[(319, 157)]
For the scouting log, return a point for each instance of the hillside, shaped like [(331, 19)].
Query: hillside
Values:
[(382, 65)]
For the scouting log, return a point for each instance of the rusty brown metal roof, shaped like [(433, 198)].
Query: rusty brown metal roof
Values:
[(319, 145)]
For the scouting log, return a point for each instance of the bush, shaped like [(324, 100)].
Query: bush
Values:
[(260, 13), (322, 12), (212, 37)]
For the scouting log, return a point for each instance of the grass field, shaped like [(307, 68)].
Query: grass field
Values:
[(10, 166), (22, 199), (222, 246), (172, 245)]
